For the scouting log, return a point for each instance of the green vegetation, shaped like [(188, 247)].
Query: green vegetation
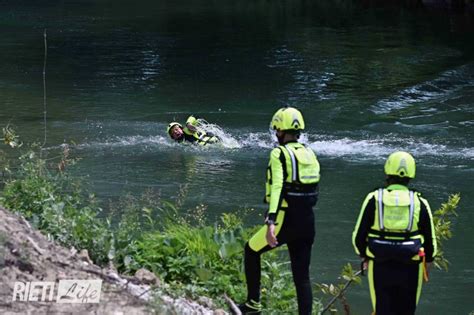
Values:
[(442, 220), (337, 291), (56, 204)]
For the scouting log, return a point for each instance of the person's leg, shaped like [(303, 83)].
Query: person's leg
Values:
[(405, 297), (256, 246), (394, 287), (300, 255), (252, 268), (381, 287), (253, 271)]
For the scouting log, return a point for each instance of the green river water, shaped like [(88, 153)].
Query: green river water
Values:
[(369, 80)]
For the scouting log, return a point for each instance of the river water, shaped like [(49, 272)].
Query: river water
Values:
[(369, 80)]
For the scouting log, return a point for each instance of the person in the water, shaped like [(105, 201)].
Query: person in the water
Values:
[(190, 132)]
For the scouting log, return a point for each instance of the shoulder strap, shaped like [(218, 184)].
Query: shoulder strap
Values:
[(412, 210), (294, 164), (380, 206), (283, 162)]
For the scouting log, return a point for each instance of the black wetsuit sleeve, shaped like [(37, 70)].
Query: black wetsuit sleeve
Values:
[(425, 228), (364, 226), (189, 138)]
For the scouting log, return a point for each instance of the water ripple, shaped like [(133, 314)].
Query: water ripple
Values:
[(438, 89)]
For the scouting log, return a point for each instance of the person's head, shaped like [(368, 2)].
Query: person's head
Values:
[(400, 168), (175, 130), (288, 123)]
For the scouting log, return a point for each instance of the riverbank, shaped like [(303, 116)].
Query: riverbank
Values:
[(27, 255), (142, 236)]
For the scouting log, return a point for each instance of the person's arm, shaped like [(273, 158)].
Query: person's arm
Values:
[(276, 188), (205, 138), (364, 222), (191, 123), (426, 228)]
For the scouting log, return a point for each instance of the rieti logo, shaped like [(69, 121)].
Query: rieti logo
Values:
[(69, 291)]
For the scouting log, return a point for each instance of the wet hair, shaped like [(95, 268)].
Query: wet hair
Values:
[(393, 179)]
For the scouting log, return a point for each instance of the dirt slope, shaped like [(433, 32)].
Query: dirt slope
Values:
[(27, 255)]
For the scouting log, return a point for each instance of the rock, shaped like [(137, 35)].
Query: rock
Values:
[(73, 251), (25, 265), (207, 302), (111, 267), (147, 277), (84, 256), (220, 311)]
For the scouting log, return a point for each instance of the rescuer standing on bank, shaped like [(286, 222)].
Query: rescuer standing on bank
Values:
[(291, 192), (395, 237)]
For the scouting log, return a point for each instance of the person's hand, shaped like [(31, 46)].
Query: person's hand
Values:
[(271, 238), (364, 263), (191, 127)]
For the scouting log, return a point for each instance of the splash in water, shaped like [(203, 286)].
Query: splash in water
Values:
[(227, 140)]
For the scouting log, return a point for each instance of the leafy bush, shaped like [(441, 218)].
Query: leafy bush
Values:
[(129, 219), (56, 204), (442, 221), (205, 260)]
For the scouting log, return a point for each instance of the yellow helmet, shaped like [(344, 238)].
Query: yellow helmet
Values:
[(171, 125), (287, 118), (400, 164)]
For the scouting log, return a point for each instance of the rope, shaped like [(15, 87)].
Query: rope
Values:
[(44, 89), (425, 270)]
